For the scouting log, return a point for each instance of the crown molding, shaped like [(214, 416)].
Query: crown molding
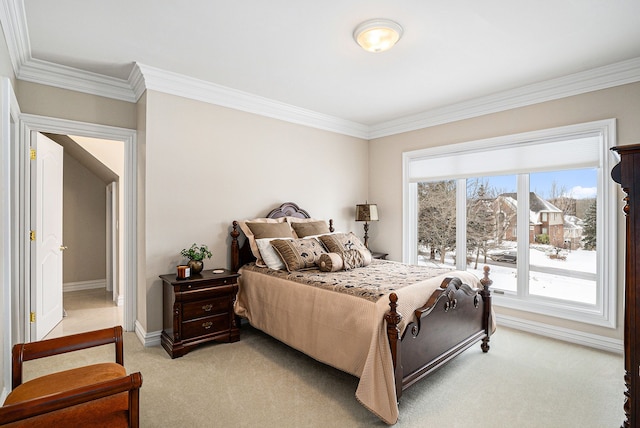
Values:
[(574, 84), (145, 77), (74, 79), (196, 89), (14, 27)]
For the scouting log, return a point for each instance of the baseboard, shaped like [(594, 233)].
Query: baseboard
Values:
[(84, 285), (578, 337), (147, 339)]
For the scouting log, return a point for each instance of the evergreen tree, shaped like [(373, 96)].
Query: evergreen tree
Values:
[(589, 231)]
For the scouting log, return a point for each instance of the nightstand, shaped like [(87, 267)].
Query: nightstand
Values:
[(377, 255), (198, 310)]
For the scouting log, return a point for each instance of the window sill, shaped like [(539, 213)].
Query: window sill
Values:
[(587, 314)]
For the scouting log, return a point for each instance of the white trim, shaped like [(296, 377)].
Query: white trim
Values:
[(609, 76), (9, 267), (574, 336), (14, 26), (84, 285), (61, 76), (200, 90), (128, 136), (603, 313), (147, 339)]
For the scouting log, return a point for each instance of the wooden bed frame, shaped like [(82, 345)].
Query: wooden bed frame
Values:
[(454, 317)]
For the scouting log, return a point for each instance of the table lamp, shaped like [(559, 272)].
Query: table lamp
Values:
[(366, 212)]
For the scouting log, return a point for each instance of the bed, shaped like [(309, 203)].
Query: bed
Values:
[(387, 323)]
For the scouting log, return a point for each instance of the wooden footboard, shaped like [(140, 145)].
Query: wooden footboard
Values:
[(455, 317)]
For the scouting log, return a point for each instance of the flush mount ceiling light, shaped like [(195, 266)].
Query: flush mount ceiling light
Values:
[(377, 35)]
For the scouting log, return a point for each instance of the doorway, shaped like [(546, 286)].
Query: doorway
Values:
[(128, 227), (92, 212)]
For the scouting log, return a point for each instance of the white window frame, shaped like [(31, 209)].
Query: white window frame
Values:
[(603, 313)]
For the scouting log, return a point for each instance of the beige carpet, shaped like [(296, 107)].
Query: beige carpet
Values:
[(524, 381)]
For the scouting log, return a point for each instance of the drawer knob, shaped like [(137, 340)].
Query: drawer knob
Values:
[(207, 325), (207, 308)]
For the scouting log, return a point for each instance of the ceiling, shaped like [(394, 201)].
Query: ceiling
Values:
[(303, 54)]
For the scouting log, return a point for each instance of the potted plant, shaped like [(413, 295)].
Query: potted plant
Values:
[(196, 254)]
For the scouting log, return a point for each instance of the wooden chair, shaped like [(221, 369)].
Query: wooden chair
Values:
[(97, 395)]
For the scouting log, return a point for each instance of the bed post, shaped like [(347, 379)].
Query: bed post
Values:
[(393, 318), (487, 318), (235, 249)]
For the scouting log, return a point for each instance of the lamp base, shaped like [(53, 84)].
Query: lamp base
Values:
[(366, 234)]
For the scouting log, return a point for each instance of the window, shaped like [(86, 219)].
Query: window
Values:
[(538, 208)]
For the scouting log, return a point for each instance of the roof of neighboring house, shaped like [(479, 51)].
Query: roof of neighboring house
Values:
[(572, 222), (536, 204)]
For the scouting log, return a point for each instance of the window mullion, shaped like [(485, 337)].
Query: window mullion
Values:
[(461, 224), (523, 235)]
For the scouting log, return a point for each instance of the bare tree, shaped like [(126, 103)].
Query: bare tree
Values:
[(561, 198), (437, 217), (481, 218)]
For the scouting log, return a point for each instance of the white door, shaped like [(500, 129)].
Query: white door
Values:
[(46, 222)]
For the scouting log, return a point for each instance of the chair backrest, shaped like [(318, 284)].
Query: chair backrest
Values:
[(45, 348)]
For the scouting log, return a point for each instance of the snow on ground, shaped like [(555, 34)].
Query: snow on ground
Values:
[(571, 279)]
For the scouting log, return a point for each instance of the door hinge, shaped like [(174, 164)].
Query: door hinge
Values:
[(32, 235), (32, 317), (32, 154)]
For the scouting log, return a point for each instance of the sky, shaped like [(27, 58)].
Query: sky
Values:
[(578, 184)]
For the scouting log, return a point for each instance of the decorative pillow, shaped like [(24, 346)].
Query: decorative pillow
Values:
[(269, 254), (269, 230), (338, 242), (347, 260), (352, 259), (310, 228), (298, 254), (330, 262), (244, 226)]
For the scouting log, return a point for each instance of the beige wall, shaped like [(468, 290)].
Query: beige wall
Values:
[(111, 154), (48, 101), (385, 167), (141, 290), (208, 165), (84, 220)]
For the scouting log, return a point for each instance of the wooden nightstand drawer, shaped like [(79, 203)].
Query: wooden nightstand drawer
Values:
[(205, 326), (205, 308), (198, 310), (207, 282)]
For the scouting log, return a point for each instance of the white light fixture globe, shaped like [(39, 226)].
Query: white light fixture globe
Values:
[(377, 35)]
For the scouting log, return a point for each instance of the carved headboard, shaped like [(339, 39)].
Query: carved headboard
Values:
[(242, 255), (288, 209)]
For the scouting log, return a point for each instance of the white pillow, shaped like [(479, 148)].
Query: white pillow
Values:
[(269, 254)]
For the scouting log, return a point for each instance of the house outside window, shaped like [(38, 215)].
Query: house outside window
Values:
[(564, 209)]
